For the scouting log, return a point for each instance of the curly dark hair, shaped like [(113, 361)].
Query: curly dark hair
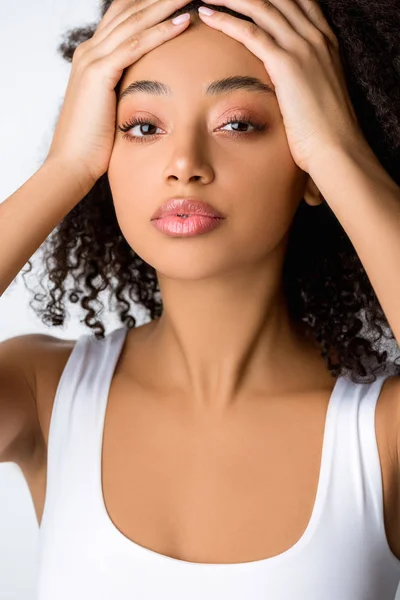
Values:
[(324, 280)]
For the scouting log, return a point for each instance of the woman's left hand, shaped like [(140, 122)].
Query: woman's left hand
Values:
[(301, 55)]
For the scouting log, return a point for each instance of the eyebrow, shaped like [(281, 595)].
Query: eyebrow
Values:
[(220, 86)]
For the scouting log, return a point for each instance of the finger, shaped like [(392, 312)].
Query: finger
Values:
[(132, 49), (147, 13), (256, 39), (280, 18), (126, 8), (294, 15), (314, 13), (115, 8)]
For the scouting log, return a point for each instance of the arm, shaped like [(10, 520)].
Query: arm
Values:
[(29, 216), (366, 201)]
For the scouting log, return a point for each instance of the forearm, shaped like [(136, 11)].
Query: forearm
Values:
[(28, 216), (366, 201)]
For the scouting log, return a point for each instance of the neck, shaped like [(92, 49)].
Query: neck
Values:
[(218, 346)]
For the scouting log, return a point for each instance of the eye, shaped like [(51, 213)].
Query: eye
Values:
[(131, 125), (240, 119), (235, 119)]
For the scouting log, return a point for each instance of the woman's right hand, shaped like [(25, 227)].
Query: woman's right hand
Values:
[(85, 132)]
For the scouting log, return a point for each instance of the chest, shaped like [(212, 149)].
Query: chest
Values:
[(216, 492)]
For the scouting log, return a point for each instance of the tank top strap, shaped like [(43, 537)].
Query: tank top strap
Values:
[(76, 422), (368, 446), (355, 499)]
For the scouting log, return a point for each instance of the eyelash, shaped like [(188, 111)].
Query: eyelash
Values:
[(142, 121)]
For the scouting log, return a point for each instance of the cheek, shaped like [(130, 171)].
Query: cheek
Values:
[(264, 212), (127, 184), (121, 170), (129, 199), (261, 228)]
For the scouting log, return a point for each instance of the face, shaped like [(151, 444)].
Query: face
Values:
[(186, 150)]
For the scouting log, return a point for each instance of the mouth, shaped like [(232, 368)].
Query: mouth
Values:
[(186, 207), (186, 225)]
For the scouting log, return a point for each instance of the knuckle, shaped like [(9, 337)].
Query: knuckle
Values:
[(81, 63), (333, 41), (80, 50), (85, 59), (251, 29), (163, 27), (266, 4), (134, 42), (336, 44), (136, 17), (122, 4), (307, 50), (320, 39)]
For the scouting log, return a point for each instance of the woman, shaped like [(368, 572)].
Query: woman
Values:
[(226, 448)]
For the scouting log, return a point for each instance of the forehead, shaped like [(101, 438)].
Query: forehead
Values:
[(200, 60)]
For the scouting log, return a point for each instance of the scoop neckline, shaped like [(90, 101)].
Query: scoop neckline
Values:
[(118, 537)]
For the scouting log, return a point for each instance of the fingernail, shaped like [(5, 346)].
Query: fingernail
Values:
[(206, 11), (181, 19)]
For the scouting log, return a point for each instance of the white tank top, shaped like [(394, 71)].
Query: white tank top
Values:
[(342, 555)]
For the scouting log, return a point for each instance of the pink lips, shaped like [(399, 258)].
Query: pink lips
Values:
[(189, 226), (186, 206)]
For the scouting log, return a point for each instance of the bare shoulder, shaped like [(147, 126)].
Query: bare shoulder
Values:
[(49, 356), (46, 344), (390, 401), (20, 359), (393, 393), (387, 421), (41, 354)]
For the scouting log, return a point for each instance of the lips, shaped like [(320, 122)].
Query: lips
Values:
[(186, 206)]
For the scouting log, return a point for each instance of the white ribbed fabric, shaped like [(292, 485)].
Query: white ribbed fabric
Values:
[(342, 555)]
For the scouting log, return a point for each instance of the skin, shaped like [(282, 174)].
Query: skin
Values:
[(225, 334)]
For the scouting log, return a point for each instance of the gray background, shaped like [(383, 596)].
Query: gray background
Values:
[(33, 80)]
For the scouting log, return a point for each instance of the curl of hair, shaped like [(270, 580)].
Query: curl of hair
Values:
[(326, 286)]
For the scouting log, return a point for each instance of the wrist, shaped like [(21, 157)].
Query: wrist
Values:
[(74, 170)]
